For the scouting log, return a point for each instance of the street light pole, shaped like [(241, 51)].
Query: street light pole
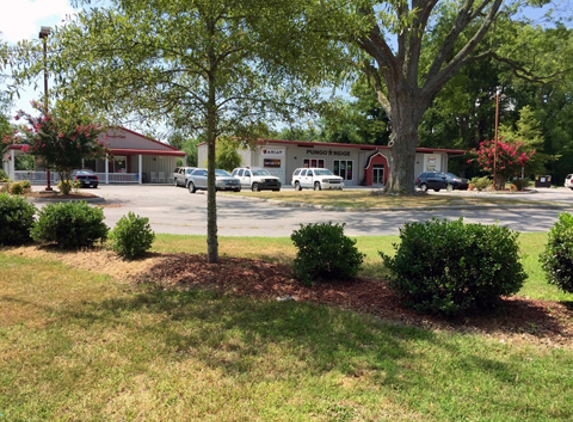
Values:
[(495, 141), (44, 32)]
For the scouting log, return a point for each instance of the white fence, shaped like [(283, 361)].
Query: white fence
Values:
[(39, 177)]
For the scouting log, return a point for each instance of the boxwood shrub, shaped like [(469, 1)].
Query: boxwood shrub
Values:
[(70, 225), (325, 253), (451, 268), (557, 258), (16, 220), (132, 236)]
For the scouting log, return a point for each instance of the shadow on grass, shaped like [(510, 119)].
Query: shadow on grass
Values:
[(234, 334)]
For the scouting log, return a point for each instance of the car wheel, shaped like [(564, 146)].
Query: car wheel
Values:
[(317, 186), (449, 187), (424, 187), (175, 183), (255, 187), (276, 190), (238, 190), (192, 188), (571, 188), (436, 190), (297, 186)]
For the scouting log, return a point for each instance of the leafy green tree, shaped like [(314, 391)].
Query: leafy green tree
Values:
[(528, 131), (205, 67), (62, 139), (227, 157), (409, 51)]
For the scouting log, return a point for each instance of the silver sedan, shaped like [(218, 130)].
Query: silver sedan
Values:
[(224, 180)]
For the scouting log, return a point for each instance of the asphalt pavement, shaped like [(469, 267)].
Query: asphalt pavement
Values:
[(176, 211)]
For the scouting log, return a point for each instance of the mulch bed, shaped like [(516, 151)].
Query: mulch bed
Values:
[(57, 195), (518, 319)]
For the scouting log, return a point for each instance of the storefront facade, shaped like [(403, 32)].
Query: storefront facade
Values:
[(358, 165)]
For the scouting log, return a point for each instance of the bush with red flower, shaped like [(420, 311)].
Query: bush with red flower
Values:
[(62, 139), (511, 158)]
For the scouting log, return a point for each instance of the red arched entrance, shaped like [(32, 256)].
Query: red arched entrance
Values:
[(376, 169)]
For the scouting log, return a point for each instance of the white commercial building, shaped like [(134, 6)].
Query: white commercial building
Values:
[(358, 165)]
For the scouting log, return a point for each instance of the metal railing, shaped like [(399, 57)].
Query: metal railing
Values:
[(39, 177)]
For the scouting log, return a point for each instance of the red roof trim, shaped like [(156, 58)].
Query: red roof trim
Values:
[(14, 146), (360, 146), (123, 151)]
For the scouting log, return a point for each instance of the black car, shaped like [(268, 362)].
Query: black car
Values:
[(87, 178), (437, 180)]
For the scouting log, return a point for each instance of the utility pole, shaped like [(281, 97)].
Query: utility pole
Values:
[(44, 32)]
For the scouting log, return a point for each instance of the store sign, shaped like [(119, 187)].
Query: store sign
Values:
[(273, 152), (328, 152), (432, 163), (272, 163)]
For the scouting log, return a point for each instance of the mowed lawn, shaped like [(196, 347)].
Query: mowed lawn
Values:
[(357, 199), (79, 345)]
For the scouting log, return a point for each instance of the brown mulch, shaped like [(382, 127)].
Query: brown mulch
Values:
[(518, 319), (57, 195)]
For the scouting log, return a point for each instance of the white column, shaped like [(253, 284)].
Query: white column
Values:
[(107, 169), (140, 168), (12, 165)]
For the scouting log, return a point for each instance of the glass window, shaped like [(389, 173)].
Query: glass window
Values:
[(313, 162), (344, 169)]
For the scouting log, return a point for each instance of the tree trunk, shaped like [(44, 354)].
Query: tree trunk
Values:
[(212, 242), (407, 111), (401, 175)]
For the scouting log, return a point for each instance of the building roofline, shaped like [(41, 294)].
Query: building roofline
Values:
[(142, 136), (358, 146)]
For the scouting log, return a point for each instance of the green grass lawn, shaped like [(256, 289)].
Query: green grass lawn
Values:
[(364, 199), (79, 346)]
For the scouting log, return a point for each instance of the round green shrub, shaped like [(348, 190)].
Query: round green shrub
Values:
[(451, 268), (17, 188), (325, 253), (26, 184), (132, 236), (16, 220), (3, 176), (557, 258), (70, 225)]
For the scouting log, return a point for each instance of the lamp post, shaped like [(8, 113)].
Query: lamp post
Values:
[(44, 32), (495, 140)]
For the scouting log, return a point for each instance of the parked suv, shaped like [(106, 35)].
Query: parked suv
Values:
[(316, 178), (257, 179), (181, 176), (224, 181), (569, 181), (437, 180)]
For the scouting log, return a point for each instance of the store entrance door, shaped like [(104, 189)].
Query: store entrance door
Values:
[(378, 175)]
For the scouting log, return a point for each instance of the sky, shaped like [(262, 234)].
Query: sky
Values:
[(22, 19)]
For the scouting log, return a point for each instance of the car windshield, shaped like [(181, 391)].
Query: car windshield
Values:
[(260, 172), (323, 172), (188, 171), (222, 173), (83, 172), (451, 176)]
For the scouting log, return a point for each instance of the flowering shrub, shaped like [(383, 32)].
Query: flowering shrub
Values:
[(510, 158), (61, 140)]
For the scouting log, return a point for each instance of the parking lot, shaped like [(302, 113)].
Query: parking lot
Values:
[(176, 211)]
